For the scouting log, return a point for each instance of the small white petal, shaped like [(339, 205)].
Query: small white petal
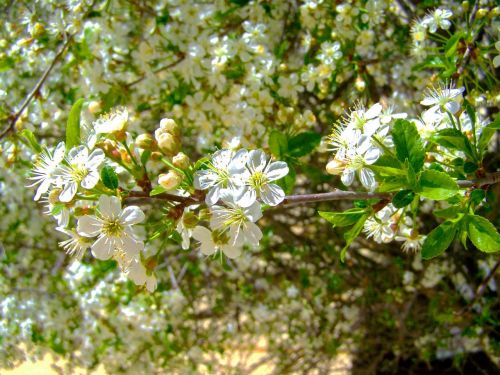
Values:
[(246, 196), (213, 195), (372, 155), (132, 215), (95, 159), (202, 234), (103, 248), (367, 178), (347, 176), (272, 194), (231, 251), (257, 160), (277, 170), (110, 207), (90, 180), (88, 226), (68, 192), (42, 189), (253, 212)]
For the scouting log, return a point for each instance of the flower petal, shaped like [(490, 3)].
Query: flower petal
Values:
[(88, 226), (231, 251), (68, 192), (132, 215), (246, 197), (367, 178), (103, 248), (110, 206), (257, 160), (277, 170), (347, 176), (95, 159), (254, 212), (272, 194), (90, 180)]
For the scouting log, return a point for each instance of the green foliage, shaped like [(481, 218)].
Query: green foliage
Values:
[(73, 125), (454, 139), (343, 219), (403, 198), (303, 143), (482, 233), (278, 144), (109, 177), (30, 137), (436, 185), (439, 239), (408, 144)]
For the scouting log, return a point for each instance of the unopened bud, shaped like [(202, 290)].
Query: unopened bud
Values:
[(170, 126), (155, 155), (38, 30), (110, 149), (80, 211), (94, 107), (335, 166), (481, 13), (170, 180), (181, 160), (465, 6), (360, 84), (146, 142), (168, 144)]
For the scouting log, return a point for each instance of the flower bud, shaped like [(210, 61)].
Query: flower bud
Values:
[(481, 13), (110, 149), (168, 144), (146, 142), (465, 6), (170, 126), (360, 84), (94, 107), (170, 180), (155, 155), (181, 160), (335, 166), (38, 30)]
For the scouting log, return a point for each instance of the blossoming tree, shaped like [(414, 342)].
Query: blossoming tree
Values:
[(248, 171)]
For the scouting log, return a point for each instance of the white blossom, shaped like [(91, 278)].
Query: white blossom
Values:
[(46, 168), (113, 228), (213, 241)]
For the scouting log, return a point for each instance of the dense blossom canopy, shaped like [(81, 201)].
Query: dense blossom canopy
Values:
[(185, 181)]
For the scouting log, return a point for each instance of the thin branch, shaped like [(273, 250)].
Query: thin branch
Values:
[(182, 56), (143, 197), (470, 46), (35, 89)]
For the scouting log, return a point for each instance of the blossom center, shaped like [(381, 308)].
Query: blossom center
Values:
[(112, 228), (257, 180), (78, 172)]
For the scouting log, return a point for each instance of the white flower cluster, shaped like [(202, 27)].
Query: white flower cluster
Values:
[(60, 177), (237, 183), (356, 143)]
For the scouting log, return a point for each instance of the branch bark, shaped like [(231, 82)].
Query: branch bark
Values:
[(143, 197), (35, 89)]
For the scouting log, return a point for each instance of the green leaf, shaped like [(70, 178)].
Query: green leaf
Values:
[(454, 139), (352, 234), (303, 143), (483, 234), (477, 196), (487, 133), (449, 212), (392, 184), (436, 185), (343, 219), (452, 44), (146, 154), (73, 125), (57, 209), (403, 198), (109, 177), (438, 240), (408, 144), (288, 182), (470, 167), (387, 171), (30, 137), (157, 190), (278, 144)]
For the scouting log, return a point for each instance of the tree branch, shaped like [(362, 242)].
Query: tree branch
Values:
[(143, 197), (35, 89)]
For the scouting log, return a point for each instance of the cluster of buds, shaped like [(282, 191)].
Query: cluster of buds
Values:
[(168, 137)]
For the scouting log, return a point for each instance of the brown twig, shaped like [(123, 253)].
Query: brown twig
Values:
[(143, 197), (470, 46), (166, 67), (15, 117)]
